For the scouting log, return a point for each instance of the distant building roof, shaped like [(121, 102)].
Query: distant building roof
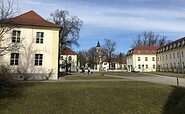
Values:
[(143, 50), (121, 60), (98, 44), (31, 18), (173, 45), (67, 51)]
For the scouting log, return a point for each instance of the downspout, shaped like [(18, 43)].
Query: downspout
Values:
[(59, 53)]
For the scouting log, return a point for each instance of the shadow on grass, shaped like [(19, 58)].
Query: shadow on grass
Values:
[(7, 93), (10, 93), (176, 102)]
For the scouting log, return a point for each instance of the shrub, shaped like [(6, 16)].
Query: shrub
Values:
[(8, 77)]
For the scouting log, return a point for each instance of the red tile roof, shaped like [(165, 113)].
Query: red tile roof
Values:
[(122, 60), (67, 51), (31, 18), (144, 50)]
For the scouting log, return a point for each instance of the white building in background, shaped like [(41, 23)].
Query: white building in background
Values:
[(171, 57), (69, 58), (142, 58), (39, 39)]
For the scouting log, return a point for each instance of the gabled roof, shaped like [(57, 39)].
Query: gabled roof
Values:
[(122, 60), (31, 18), (143, 50), (67, 51)]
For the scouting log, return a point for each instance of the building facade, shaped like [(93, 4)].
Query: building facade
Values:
[(142, 58), (68, 59), (37, 57), (171, 57)]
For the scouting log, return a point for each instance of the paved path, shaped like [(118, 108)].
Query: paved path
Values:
[(157, 79), (166, 80)]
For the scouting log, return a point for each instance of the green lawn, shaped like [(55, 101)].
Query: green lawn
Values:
[(92, 98)]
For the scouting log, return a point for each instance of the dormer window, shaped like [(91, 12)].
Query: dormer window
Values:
[(174, 45), (178, 44), (182, 43), (138, 51), (145, 51)]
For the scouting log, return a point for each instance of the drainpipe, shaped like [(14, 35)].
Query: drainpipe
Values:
[(180, 59)]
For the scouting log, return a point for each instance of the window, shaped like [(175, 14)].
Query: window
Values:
[(146, 58), (174, 65), (105, 63), (173, 55), (16, 36), (138, 51), (145, 52), (166, 57), (139, 66), (153, 66), (182, 53), (38, 59), (146, 66), (167, 65), (61, 57), (14, 59), (152, 51), (39, 37), (153, 58), (70, 58), (139, 58), (170, 56), (177, 54), (163, 58)]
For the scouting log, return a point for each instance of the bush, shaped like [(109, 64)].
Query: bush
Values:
[(8, 77)]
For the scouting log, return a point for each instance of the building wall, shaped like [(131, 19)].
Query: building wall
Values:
[(174, 63), (142, 65), (73, 61), (29, 47)]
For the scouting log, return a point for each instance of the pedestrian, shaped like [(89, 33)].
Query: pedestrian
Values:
[(89, 70)]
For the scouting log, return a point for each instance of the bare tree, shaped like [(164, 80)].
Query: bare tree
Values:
[(109, 48), (82, 57), (91, 56), (70, 27), (150, 39), (8, 9)]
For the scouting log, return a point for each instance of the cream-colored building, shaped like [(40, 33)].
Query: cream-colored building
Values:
[(142, 58), (37, 57), (68, 59), (171, 57)]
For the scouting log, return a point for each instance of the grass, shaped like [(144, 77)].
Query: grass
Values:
[(172, 74), (92, 98)]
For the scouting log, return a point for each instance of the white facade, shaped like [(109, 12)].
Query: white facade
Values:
[(143, 63), (70, 59), (142, 58), (38, 39), (172, 57), (29, 49)]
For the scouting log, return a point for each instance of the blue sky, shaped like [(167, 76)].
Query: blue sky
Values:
[(118, 20)]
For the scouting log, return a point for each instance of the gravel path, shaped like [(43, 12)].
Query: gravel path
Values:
[(157, 79)]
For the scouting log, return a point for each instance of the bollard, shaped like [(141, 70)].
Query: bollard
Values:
[(177, 81)]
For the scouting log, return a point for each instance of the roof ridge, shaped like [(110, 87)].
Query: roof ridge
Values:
[(31, 18)]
